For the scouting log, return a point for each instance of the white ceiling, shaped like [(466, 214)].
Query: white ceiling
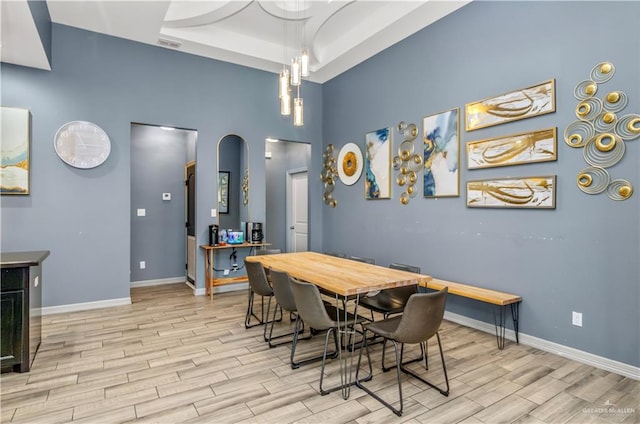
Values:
[(260, 34)]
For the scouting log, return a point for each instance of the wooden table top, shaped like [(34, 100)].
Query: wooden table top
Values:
[(337, 275)]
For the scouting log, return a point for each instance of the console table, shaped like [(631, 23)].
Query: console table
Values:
[(209, 273), (21, 295)]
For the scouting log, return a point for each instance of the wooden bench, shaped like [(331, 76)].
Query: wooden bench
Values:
[(501, 300)]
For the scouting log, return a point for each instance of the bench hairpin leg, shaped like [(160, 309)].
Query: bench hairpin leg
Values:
[(514, 315), (499, 318)]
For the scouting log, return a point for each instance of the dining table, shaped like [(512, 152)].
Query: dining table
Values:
[(346, 281)]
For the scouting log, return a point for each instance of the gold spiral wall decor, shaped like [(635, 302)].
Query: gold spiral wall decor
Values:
[(602, 131), (245, 188), (328, 176), (407, 162)]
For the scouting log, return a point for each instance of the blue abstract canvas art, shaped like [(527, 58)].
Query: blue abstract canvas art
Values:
[(14, 151), (377, 164), (441, 154)]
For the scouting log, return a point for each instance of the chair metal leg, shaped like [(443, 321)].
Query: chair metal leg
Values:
[(400, 367), (398, 412), (262, 319), (410, 361), (294, 365), (444, 369), (272, 337)]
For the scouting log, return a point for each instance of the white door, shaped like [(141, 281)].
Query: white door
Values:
[(297, 211)]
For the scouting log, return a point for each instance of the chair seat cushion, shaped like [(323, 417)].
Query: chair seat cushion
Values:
[(382, 303), (384, 328), (333, 314)]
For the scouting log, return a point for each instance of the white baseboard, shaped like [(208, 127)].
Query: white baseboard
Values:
[(551, 347), (158, 282), (222, 289), (75, 307)]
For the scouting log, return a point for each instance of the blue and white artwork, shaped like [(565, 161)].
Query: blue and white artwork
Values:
[(377, 164), (14, 151), (441, 137)]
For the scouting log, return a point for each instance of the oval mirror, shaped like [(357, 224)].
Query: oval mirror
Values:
[(233, 182)]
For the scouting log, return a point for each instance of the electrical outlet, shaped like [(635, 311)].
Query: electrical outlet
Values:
[(576, 318), (143, 264), (234, 267), (226, 272)]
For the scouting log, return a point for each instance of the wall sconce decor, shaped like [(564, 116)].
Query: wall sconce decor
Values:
[(328, 176), (601, 133), (407, 162)]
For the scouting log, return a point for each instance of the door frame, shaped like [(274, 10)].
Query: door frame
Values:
[(188, 278), (289, 206)]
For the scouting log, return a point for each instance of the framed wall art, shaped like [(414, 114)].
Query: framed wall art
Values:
[(519, 104), (441, 141), (14, 150), (524, 192), (223, 191), (377, 164), (516, 149)]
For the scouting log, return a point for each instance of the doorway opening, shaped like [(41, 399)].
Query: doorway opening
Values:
[(286, 166), (161, 204)]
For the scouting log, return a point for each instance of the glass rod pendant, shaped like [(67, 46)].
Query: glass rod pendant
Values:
[(298, 112), (285, 105), (295, 71), (283, 83), (304, 63)]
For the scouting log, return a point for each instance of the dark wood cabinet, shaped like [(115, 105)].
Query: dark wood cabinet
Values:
[(21, 308)]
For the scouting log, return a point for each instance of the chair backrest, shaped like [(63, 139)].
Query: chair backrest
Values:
[(422, 317), (403, 267), (268, 251), (280, 282), (402, 294), (361, 259), (310, 305), (258, 278), (336, 254)]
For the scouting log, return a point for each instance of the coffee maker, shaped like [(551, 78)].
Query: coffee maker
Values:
[(213, 235), (253, 231)]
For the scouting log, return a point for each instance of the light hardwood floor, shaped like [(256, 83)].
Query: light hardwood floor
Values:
[(175, 358)]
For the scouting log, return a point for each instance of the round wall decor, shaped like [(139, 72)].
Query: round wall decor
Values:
[(350, 163), (82, 144)]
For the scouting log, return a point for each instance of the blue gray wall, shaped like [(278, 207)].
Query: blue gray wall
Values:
[(158, 159), (83, 216), (584, 255), (285, 156)]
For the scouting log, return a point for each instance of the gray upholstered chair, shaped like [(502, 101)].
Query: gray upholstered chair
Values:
[(420, 321), (320, 316), (268, 251), (280, 283), (391, 301), (361, 259), (258, 285)]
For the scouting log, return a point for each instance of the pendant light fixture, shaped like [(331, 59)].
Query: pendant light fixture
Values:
[(292, 77)]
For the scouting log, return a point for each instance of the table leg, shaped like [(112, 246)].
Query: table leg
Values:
[(347, 331), (209, 274)]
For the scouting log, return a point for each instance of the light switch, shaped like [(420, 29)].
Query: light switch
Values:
[(267, 155), (142, 212), (213, 213), (166, 196)]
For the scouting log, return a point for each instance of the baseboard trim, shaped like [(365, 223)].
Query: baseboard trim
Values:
[(222, 289), (84, 306), (551, 347), (157, 282)]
